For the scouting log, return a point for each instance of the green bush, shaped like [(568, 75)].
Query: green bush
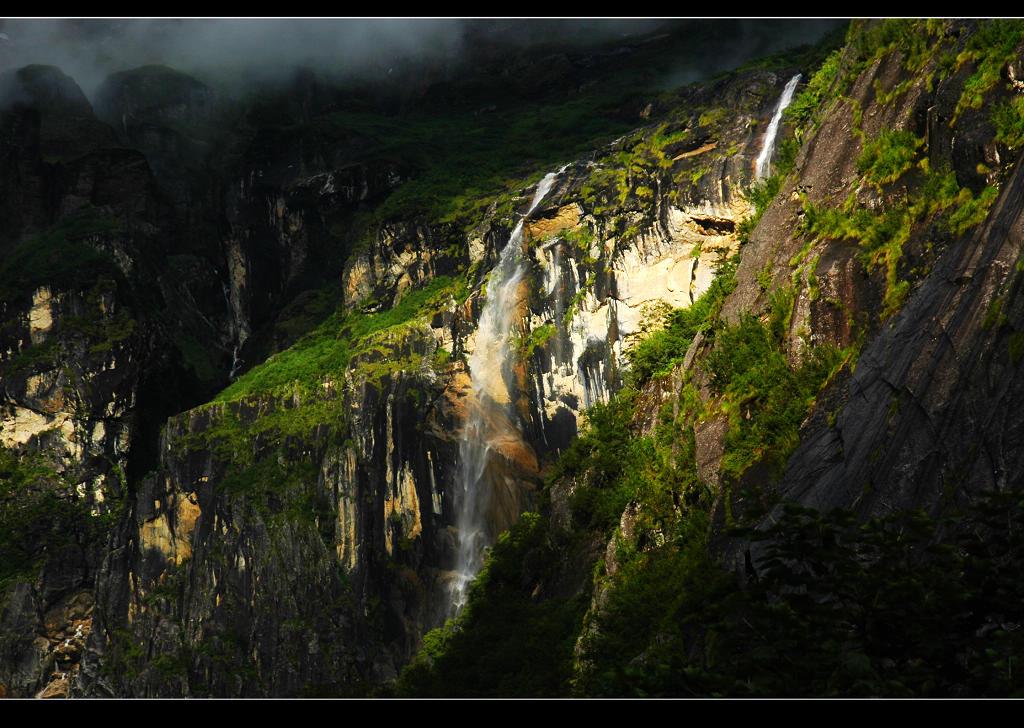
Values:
[(61, 258), (886, 158), (504, 643), (1009, 122), (831, 608), (600, 459), (40, 514), (764, 398), (328, 349), (818, 89), (989, 49)]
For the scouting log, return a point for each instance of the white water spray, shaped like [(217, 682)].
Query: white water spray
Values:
[(487, 403), (764, 159)]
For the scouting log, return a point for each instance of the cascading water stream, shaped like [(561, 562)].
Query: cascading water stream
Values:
[(235, 361), (763, 162), (486, 404)]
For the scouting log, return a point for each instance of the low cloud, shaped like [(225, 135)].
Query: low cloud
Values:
[(223, 50)]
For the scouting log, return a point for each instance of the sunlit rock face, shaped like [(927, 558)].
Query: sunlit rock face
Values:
[(589, 320), (310, 537)]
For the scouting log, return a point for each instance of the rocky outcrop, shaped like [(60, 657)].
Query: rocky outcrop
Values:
[(80, 280), (333, 515), (929, 422), (923, 420), (395, 260), (289, 231)]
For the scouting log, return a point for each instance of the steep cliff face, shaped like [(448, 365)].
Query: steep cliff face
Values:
[(341, 453), (904, 424), (94, 356), (75, 341), (675, 347)]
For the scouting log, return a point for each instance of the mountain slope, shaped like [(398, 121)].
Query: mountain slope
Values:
[(351, 314), (859, 357)]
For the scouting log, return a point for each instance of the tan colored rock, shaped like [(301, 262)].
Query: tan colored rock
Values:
[(170, 532), (26, 424), (40, 317), (567, 217), (402, 507), (346, 537), (695, 152), (59, 687)]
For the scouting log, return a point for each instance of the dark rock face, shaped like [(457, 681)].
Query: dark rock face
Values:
[(68, 126), (168, 116), (129, 97), (82, 273), (229, 553), (925, 420), (930, 418), (75, 359)]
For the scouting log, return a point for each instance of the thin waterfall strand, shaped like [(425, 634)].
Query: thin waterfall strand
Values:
[(764, 159), (486, 365)]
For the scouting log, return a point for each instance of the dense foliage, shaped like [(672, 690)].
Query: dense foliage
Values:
[(61, 257), (41, 516), (900, 606), (505, 643)]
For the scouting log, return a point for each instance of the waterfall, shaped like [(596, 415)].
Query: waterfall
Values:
[(765, 158), (486, 422), (235, 361)]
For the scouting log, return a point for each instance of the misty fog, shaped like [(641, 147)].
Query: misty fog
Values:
[(226, 51)]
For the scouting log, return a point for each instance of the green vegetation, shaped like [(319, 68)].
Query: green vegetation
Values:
[(665, 570), (1009, 122), (886, 158), (1016, 345), (328, 349), (577, 299), (604, 453), (61, 258), (98, 329), (882, 232), (989, 50), (666, 578), (763, 397), (838, 609), (504, 644), (835, 609), (460, 158), (760, 194), (631, 169), (40, 515), (873, 40), (807, 102), (537, 337)]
